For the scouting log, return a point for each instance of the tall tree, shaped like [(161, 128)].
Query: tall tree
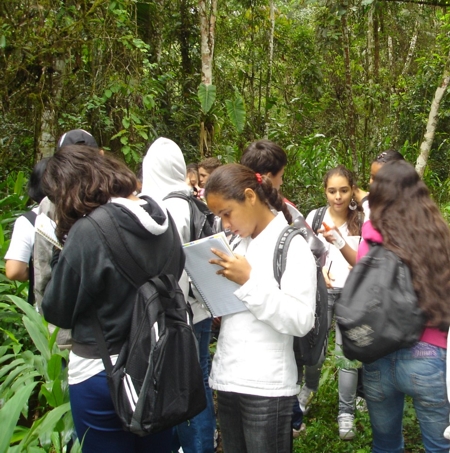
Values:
[(207, 13), (433, 116)]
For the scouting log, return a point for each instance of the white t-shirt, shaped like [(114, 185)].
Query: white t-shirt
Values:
[(335, 262), (22, 240)]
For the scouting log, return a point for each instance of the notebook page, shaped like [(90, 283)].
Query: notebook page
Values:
[(217, 291)]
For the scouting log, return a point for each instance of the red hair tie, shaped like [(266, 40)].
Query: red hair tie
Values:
[(258, 178)]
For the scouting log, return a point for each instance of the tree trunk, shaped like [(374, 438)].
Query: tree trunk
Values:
[(412, 47), (371, 45), (208, 13), (49, 113), (351, 113), (425, 146), (269, 69)]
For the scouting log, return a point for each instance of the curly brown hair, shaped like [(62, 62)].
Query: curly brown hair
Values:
[(231, 180), (413, 228), (79, 179)]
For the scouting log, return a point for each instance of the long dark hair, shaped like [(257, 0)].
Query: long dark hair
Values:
[(79, 179), (354, 218), (35, 191), (264, 156), (412, 227), (231, 180)]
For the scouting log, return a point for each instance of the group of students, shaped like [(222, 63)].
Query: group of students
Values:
[(254, 370)]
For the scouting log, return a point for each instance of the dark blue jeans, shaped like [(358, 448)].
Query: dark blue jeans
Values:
[(255, 424), (297, 415), (197, 435), (420, 373), (98, 426)]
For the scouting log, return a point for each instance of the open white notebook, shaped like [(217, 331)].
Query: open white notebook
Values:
[(217, 291)]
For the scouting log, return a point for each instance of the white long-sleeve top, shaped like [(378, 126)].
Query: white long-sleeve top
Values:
[(255, 347)]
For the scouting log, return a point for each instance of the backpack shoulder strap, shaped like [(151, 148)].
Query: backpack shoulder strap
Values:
[(190, 201), (177, 194), (281, 250), (30, 216), (318, 218), (112, 235)]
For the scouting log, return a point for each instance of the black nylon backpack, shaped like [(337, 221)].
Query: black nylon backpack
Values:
[(378, 311), (157, 381), (309, 348), (202, 219)]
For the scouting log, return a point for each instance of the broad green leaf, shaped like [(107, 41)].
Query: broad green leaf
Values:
[(23, 369), (39, 340), (10, 412), (236, 112), (31, 312), (2, 41), (44, 425), (125, 122), (149, 101), (7, 368), (54, 367), (207, 96), (18, 186)]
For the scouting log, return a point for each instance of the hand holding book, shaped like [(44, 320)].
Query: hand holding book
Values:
[(234, 267), (216, 291)]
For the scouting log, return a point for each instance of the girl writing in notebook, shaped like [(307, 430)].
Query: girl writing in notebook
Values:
[(254, 369)]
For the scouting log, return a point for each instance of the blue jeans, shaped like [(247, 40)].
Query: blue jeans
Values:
[(98, 427), (255, 424), (297, 415), (197, 435), (420, 373)]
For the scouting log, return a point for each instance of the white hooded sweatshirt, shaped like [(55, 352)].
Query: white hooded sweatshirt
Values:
[(163, 172)]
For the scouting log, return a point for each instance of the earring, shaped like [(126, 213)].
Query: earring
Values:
[(353, 205)]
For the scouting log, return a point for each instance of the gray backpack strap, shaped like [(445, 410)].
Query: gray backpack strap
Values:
[(318, 218)]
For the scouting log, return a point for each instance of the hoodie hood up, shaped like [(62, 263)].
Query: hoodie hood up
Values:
[(163, 169)]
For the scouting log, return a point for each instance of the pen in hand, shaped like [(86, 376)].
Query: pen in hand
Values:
[(328, 271)]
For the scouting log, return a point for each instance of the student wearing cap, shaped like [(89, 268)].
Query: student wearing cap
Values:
[(77, 137), (43, 250)]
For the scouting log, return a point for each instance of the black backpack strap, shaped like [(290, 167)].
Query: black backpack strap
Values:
[(318, 218), (281, 250), (112, 235), (114, 239), (185, 197), (30, 216)]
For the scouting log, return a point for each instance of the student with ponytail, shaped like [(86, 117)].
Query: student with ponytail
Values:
[(254, 369)]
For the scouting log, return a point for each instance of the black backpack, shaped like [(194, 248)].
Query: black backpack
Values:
[(309, 348), (378, 312), (202, 219), (157, 381)]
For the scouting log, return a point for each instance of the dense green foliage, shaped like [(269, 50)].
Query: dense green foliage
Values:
[(34, 399), (345, 81)]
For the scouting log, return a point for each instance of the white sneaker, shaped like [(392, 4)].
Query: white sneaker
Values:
[(304, 398), (346, 426)]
